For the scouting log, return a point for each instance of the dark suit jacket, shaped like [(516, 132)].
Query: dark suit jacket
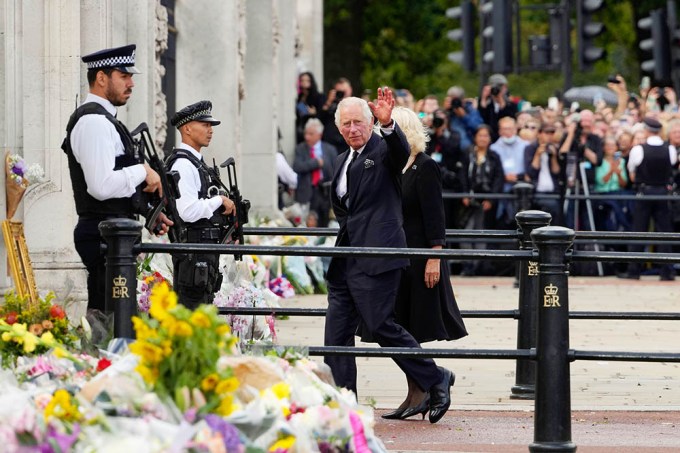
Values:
[(374, 217), (304, 165)]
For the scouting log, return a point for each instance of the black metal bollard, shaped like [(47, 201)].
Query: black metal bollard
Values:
[(121, 273), (524, 193), (525, 370), (552, 409), (523, 200)]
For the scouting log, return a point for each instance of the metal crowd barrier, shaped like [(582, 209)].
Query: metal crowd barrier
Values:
[(543, 355)]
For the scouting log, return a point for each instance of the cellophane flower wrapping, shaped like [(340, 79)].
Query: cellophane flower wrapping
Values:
[(151, 398), (18, 177)]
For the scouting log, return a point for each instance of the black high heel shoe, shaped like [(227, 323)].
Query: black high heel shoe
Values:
[(421, 409), (395, 414)]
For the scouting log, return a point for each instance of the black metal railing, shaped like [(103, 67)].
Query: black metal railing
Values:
[(545, 253)]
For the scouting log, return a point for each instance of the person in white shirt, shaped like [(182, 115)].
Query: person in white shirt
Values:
[(650, 167), (202, 208), (107, 177)]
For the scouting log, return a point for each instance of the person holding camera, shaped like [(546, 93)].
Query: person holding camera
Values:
[(543, 169), (484, 175), (494, 103), (200, 205), (106, 175), (650, 167), (580, 148), (445, 150), (342, 89), (464, 119), (611, 177)]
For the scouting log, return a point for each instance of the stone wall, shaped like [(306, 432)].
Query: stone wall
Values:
[(240, 54)]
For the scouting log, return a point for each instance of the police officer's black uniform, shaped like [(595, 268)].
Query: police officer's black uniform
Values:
[(653, 176), (197, 276), (92, 211)]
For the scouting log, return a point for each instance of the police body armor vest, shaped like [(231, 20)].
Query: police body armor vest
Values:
[(208, 179), (656, 168), (86, 204)]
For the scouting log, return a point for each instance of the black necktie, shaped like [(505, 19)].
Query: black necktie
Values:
[(354, 157)]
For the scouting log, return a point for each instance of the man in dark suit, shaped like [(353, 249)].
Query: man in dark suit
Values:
[(314, 160), (366, 198)]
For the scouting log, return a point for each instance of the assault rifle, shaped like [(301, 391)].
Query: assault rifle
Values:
[(169, 181), (234, 229)]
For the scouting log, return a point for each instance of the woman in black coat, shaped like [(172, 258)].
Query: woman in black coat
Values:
[(308, 104), (426, 306)]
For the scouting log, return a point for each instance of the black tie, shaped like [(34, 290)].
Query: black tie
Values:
[(354, 157)]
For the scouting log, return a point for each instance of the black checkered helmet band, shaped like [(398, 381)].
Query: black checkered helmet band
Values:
[(126, 60), (194, 116), (198, 111), (119, 58)]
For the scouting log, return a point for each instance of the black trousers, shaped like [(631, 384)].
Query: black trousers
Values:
[(354, 296), (646, 210), (196, 278), (88, 242)]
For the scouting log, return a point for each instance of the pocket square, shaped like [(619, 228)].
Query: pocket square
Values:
[(368, 163)]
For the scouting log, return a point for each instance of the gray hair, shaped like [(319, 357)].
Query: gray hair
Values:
[(314, 123), (346, 102)]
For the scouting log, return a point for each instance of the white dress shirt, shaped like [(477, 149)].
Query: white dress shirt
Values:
[(637, 153), (189, 207), (96, 144), (285, 173), (341, 187)]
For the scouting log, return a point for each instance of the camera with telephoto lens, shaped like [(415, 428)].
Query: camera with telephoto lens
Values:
[(496, 90), (339, 95), (456, 103)]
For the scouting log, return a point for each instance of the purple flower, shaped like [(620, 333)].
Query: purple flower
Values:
[(19, 167), (62, 440), (230, 435)]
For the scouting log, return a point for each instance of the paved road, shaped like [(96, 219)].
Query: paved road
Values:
[(618, 406)]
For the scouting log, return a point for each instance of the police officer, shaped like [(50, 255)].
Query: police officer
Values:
[(650, 167), (106, 175), (202, 209)]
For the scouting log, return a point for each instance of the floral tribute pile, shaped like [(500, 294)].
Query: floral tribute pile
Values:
[(182, 385)]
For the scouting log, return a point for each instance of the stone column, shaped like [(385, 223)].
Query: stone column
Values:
[(287, 75), (42, 49), (207, 68), (259, 139), (310, 37)]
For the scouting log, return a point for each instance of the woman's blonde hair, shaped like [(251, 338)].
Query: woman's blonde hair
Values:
[(414, 130)]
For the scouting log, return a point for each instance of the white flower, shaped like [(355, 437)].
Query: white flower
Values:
[(35, 174)]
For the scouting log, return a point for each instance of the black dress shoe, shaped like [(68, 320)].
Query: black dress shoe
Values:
[(394, 415), (440, 395), (419, 409)]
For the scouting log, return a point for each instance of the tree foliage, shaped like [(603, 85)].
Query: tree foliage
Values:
[(403, 44)]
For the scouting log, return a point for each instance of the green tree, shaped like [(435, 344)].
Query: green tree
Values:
[(403, 44)]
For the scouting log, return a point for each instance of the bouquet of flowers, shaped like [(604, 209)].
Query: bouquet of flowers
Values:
[(178, 351), (145, 285), (32, 329), (182, 386), (18, 177), (249, 327)]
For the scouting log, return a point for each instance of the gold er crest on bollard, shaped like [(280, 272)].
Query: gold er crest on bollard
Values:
[(532, 269), (550, 296), (119, 289)]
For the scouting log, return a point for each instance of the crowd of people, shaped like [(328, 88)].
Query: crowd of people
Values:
[(487, 144)]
